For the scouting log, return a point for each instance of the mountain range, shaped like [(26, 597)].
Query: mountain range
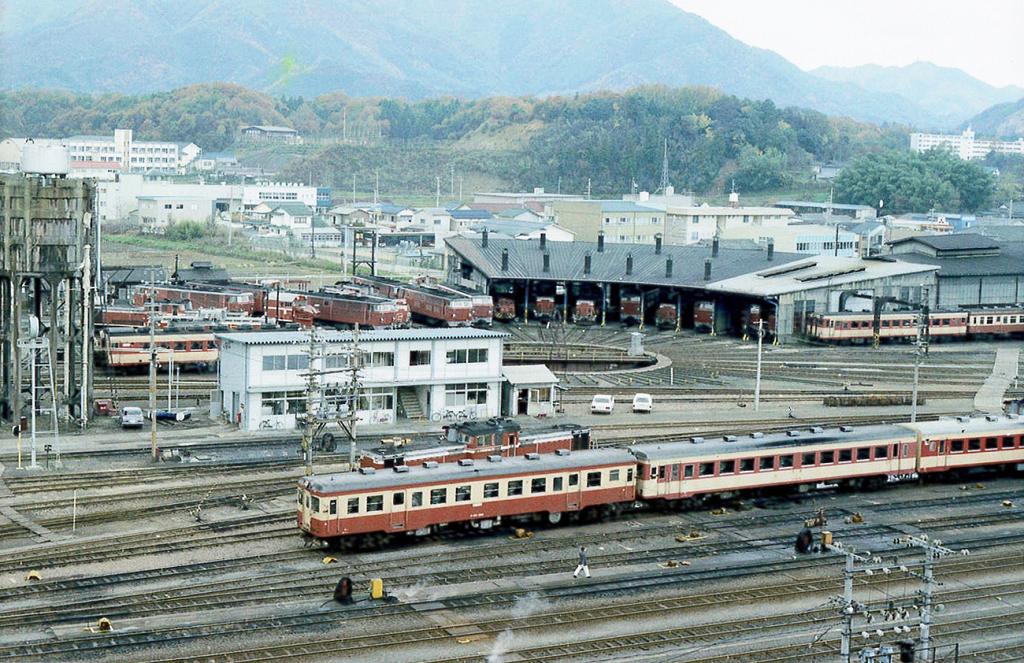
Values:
[(429, 48)]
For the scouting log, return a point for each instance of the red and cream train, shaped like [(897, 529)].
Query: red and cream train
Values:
[(374, 505)]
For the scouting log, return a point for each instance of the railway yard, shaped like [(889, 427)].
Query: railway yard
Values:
[(112, 557)]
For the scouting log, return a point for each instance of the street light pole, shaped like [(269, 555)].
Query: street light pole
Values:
[(757, 378)]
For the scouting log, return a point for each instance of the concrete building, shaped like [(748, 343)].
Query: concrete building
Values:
[(277, 192), (621, 221), (972, 270), (407, 372), (293, 216), (661, 200), (93, 155), (805, 238), (522, 198), (270, 133), (965, 145), (690, 225), (156, 213), (523, 230), (119, 198), (802, 207)]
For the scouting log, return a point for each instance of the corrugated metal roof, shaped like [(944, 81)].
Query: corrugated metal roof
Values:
[(338, 336), (963, 241), (1010, 261), (526, 260), (815, 272), (811, 203), (529, 374)]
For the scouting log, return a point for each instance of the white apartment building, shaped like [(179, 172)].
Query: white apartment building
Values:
[(808, 238), (261, 380), (690, 225), (965, 145), (277, 192), (133, 156)]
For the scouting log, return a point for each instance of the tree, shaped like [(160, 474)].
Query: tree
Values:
[(760, 170)]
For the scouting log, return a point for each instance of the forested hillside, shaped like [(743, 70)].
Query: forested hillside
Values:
[(612, 139)]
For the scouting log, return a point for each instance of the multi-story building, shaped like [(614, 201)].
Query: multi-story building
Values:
[(277, 192), (808, 238), (269, 133), (965, 145), (157, 212), (690, 225), (262, 376), (621, 221)]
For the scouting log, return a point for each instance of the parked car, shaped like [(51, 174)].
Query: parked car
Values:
[(132, 417), (602, 404), (642, 403)]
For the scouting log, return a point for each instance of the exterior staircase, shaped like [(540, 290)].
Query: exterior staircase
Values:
[(409, 404)]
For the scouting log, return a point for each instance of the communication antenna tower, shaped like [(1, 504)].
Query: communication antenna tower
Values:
[(665, 184)]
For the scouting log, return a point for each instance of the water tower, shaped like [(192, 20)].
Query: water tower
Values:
[(45, 281)]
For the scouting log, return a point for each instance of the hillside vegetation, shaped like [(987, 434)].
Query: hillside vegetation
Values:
[(610, 139)]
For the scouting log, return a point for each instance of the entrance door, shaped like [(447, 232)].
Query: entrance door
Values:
[(397, 515), (523, 401)]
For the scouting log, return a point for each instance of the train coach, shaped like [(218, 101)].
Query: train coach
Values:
[(427, 304), (373, 505), (341, 308), (483, 304)]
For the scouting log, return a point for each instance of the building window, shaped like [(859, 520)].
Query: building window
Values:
[(336, 361), (472, 393), (283, 402), (470, 356), (419, 357), (382, 359), (298, 362), (273, 362), (377, 398)]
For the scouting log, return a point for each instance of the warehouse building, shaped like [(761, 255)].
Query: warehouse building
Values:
[(790, 286)]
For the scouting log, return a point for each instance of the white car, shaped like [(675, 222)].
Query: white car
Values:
[(602, 404), (132, 417), (642, 403)]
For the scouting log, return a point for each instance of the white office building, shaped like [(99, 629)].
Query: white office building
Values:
[(411, 373), (277, 192), (965, 145)]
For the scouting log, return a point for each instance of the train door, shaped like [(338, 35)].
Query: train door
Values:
[(574, 492), (306, 512), (397, 515)]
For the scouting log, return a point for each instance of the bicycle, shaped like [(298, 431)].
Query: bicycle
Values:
[(267, 424)]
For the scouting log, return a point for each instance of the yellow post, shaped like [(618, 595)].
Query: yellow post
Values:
[(376, 588)]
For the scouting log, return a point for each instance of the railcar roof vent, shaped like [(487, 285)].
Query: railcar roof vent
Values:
[(465, 462), (401, 469), (430, 464), (697, 440), (562, 452), (533, 456), (1013, 415), (793, 433), (991, 417), (963, 418), (367, 470), (817, 429), (729, 438), (494, 458), (757, 435), (846, 429)]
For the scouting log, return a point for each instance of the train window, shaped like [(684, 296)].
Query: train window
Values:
[(1016, 441), (556, 484), (417, 498), (766, 463), (315, 506), (629, 475), (864, 453), (490, 491), (973, 444), (539, 485), (593, 479), (661, 472), (675, 473), (942, 446), (374, 502), (747, 465), (300, 496), (334, 507), (707, 469), (398, 499), (828, 457), (786, 461), (807, 459), (515, 487), (307, 501), (613, 475), (688, 472), (991, 443), (845, 455), (463, 493), (440, 495), (574, 479), (726, 467), (353, 505)]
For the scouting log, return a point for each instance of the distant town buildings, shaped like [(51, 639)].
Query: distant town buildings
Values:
[(270, 133), (965, 145)]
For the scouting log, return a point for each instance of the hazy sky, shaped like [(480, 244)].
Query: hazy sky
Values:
[(982, 37)]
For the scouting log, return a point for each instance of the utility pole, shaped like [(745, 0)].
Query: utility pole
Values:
[(308, 430), (152, 368), (920, 346), (437, 191), (453, 180), (933, 550), (757, 377), (355, 364)]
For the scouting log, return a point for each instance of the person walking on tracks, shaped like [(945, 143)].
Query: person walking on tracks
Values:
[(582, 566)]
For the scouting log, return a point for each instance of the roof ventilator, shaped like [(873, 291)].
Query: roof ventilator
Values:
[(533, 456), (465, 462), (793, 433), (696, 440), (367, 470), (504, 260), (817, 429), (846, 429), (430, 464), (730, 438), (562, 452), (629, 263), (757, 435), (494, 458), (991, 417), (401, 469), (547, 262), (963, 418)]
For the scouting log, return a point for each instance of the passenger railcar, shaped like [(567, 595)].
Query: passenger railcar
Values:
[(373, 506), (377, 504), (129, 348), (859, 327), (996, 322)]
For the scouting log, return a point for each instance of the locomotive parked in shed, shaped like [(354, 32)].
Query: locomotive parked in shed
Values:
[(584, 313), (666, 316), (372, 506)]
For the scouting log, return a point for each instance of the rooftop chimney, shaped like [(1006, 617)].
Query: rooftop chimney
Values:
[(547, 261), (629, 263), (504, 260), (543, 241), (771, 249), (600, 241), (668, 268), (707, 269), (483, 239), (714, 247), (586, 264), (657, 244)]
